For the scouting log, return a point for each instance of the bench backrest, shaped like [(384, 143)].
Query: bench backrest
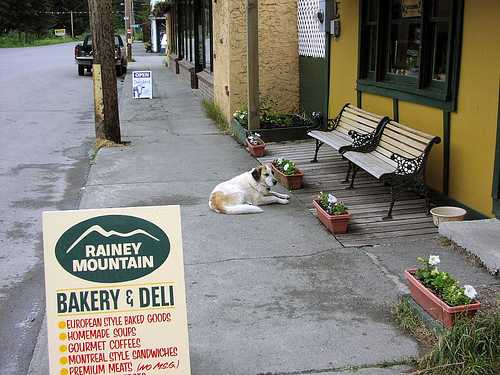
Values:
[(404, 141), (356, 119)]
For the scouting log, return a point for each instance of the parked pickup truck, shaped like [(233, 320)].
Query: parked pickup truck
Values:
[(83, 55)]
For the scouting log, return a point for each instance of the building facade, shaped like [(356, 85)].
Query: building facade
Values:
[(433, 65), (429, 64)]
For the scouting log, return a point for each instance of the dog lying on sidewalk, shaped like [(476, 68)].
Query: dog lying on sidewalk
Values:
[(244, 193)]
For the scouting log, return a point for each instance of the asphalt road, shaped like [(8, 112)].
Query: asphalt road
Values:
[(46, 136)]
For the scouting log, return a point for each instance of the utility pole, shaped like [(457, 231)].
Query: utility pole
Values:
[(253, 64), (128, 30), (107, 119)]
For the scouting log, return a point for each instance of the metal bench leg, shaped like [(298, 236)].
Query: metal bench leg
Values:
[(349, 169), (396, 191), (355, 169), (318, 145)]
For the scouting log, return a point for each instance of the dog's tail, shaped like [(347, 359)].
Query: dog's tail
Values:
[(218, 206), (242, 209)]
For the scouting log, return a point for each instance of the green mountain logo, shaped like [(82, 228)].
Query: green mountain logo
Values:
[(112, 248)]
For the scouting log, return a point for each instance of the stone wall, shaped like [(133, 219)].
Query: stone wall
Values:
[(278, 54)]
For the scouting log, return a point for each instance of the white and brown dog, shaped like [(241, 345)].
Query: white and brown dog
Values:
[(244, 193)]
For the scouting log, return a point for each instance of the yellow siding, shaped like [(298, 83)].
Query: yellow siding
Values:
[(378, 104), (428, 120), (344, 59), (473, 127)]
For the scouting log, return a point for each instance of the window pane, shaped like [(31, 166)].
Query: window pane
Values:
[(442, 8), (373, 11), (440, 50), (406, 9), (372, 48), (403, 49)]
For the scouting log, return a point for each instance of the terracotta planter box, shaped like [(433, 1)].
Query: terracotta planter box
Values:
[(256, 150), (335, 223), (291, 181), (433, 305)]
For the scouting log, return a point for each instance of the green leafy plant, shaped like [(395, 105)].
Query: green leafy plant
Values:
[(162, 7), (470, 346), (269, 117), (213, 112), (286, 166), (443, 285), (331, 204)]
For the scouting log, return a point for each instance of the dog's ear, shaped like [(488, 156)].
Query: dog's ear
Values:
[(256, 173)]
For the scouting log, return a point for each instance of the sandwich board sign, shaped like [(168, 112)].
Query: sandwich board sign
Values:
[(142, 84), (115, 291)]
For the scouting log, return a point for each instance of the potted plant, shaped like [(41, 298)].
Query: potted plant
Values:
[(439, 294), (162, 7), (255, 145), (288, 173), (275, 126), (332, 213)]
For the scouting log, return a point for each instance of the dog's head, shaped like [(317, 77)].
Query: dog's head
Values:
[(264, 175)]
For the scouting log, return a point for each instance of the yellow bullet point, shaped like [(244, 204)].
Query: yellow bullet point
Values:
[(63, 348), (63, 360), (64, 371), (63, 336), (62, 324)]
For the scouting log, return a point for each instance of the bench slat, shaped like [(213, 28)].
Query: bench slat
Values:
[(372, 163), (394, 146), (364, 113), (409, 132)]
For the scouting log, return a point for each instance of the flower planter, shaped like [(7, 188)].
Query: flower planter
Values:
[(291, 133), (433, 305), (335, 223), (256, 150), (290, 181)]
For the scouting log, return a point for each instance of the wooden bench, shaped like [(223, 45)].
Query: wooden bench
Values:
[(353, 129), (399, 160)]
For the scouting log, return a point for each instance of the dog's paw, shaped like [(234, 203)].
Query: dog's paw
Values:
[(283, 201)]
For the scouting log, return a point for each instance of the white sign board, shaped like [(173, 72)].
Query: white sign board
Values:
[(115, 291), (142, 84)]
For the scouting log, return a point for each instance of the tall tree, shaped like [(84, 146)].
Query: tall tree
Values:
[(107, 121)]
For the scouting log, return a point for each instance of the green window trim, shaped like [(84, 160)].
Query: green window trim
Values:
[(374, 75)]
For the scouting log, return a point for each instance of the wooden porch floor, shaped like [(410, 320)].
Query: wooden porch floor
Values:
[(368, 203)]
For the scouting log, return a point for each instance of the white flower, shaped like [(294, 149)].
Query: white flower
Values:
[(285, 168), (470, 292), (332, 199), (257, 135), (279, 160), (434, 259)]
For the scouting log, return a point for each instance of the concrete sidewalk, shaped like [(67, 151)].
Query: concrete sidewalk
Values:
[(269, 293)]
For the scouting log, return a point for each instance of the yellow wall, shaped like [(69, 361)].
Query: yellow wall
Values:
[(344, 58), (473, 126)]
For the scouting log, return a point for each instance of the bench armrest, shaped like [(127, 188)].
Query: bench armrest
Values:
[(362, 142), (324, 125), (408, 166)]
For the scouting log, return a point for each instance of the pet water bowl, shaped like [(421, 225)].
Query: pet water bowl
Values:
[(441, 214)]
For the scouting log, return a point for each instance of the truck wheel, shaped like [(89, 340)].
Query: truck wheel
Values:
[(81, 70)]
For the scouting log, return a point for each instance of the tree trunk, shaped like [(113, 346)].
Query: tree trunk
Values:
[(107, 119)]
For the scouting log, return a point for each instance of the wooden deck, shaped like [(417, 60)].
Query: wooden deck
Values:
[(368, 203)]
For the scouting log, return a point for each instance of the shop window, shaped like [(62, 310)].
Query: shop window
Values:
[(410, 49)]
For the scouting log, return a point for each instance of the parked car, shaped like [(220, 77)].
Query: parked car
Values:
[(84, 58)]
